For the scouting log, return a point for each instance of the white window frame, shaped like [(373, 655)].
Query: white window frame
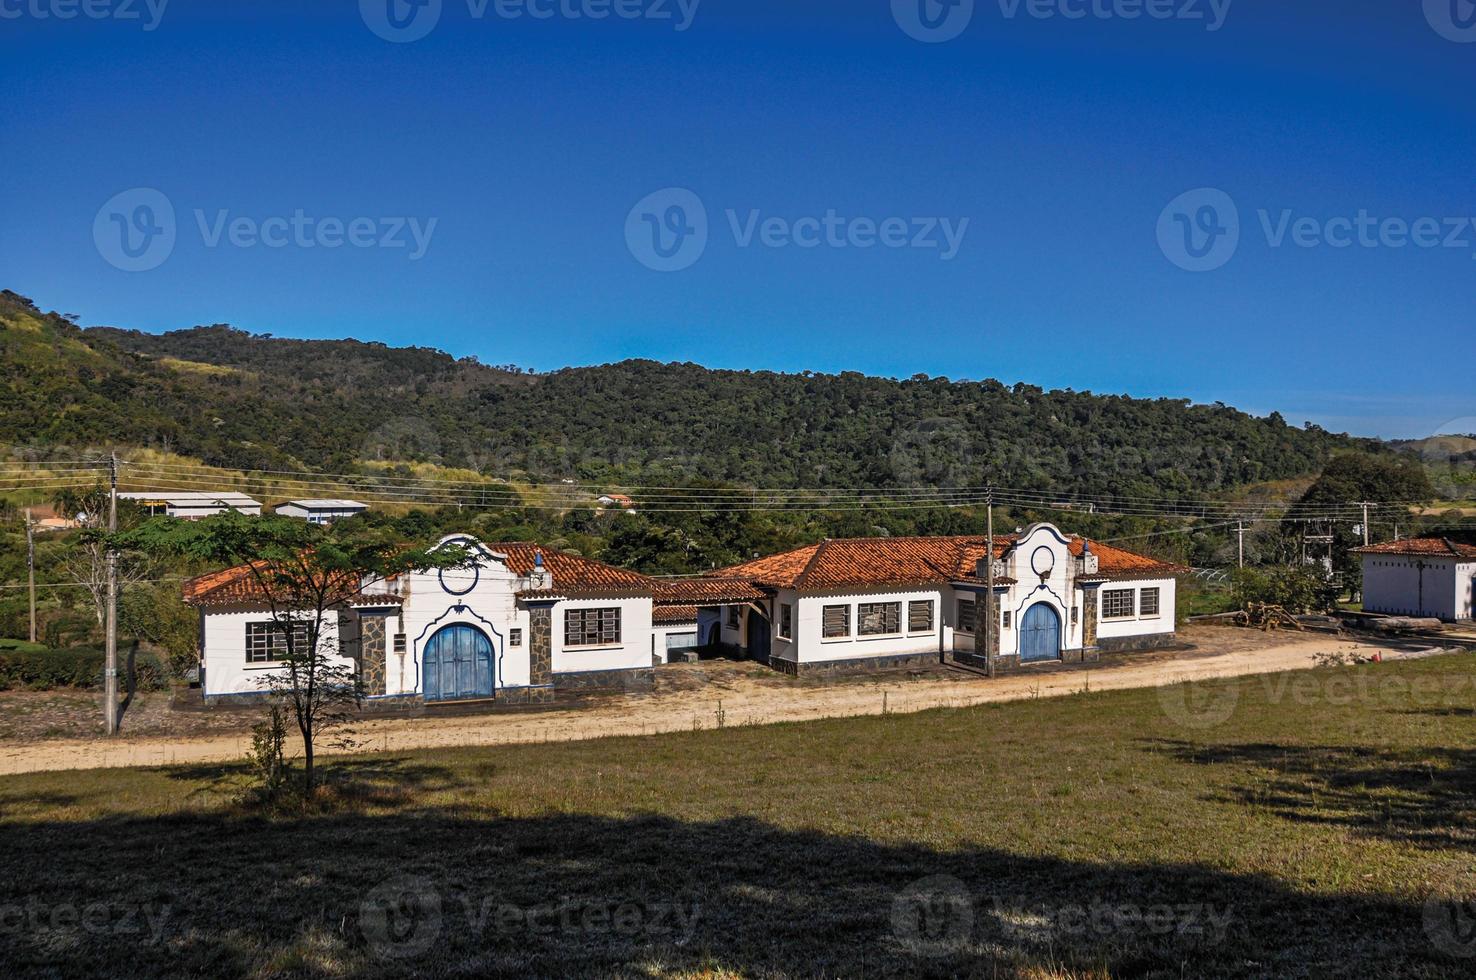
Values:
[(845, 608), (884, 609), (1157, 612), (276, 645), (784, 625), (598, 613), (932, 616), (1132, 612), (959, 626)]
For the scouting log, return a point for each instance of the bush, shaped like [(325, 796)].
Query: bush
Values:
[(39, 669), (1297, 589)]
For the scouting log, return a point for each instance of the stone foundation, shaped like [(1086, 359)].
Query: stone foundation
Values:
[(863, 665), (1125, 644), (637, 679)]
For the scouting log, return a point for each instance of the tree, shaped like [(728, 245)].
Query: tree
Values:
[(1358, 477), (1295, 588), (304, 574), (86, 562)]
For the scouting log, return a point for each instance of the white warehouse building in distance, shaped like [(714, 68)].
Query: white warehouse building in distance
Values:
[(1431, 577), (192, 506), (321, 511)]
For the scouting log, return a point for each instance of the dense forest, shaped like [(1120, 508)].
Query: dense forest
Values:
[(255, 401)]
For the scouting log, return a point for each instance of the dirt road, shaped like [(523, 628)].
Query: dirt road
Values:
[(744, 701)]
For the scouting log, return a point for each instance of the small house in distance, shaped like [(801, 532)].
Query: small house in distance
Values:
[(1431, 577), (617, 501), (324, 511), (192, 506)]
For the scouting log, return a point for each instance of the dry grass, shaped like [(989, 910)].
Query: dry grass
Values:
[(1083, 837)]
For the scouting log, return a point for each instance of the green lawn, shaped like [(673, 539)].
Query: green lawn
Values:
[(1098, 835)]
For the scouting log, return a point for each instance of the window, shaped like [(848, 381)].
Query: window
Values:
[(1005, 619), (515, 637), (835, 621), (1148, 605), (591, 627), (1075, 615), (1118, 604), (786, 620), (965, 616), (920, 616), (732, 617), (399, 642), (266, 643), (879, 618)]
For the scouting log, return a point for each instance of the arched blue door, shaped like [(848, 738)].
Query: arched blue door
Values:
[(458, 665), (1040, 634)]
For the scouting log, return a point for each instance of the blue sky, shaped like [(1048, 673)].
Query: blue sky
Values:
[(1063, 141)]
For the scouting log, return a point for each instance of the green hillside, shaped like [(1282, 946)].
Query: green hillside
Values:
[(235, 399)]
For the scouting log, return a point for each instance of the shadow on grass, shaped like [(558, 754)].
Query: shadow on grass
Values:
[(1426, 797), (367, 780), (432, 893)]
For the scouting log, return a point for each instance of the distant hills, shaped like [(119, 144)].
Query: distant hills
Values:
[(235, 399)]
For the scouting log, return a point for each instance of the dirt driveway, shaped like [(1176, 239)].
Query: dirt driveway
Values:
[(695, 696)]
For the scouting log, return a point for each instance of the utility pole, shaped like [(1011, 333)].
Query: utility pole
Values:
[(31, 569), (1365, 505), (110, 665), (1240, 533), (987, 631)]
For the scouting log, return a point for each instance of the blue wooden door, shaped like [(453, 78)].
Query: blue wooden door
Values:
[(458, 665), (758, 637), (1040, 634)]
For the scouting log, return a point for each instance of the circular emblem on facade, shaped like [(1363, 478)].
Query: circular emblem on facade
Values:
[(459, 581), (1043, 561)]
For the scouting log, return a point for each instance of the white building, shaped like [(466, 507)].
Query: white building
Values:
[(1428, 577), (521, 622), (193, 506), (321, 511), (865, 603)]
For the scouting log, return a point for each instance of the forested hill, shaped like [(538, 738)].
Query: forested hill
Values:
[(256, 401)]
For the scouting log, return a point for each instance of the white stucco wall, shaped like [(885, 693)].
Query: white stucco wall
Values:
[(487, 601), (1405, 585), (633, 650), (226, 669), (811, 646), (1138, 624)]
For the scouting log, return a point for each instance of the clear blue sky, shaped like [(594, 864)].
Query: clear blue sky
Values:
[(529, 141)]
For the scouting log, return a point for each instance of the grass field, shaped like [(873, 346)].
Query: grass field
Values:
[(1316, 824)]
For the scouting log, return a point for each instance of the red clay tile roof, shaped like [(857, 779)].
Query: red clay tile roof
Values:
[(674, 614), (239, 587), (1421, 547), (711, 591), (573, 574), (850, 562)]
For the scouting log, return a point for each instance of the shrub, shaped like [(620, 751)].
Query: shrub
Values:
[(1297, 589), (43, 670)]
